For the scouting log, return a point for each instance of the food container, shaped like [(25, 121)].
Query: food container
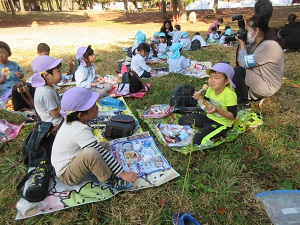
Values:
[(204, 105)]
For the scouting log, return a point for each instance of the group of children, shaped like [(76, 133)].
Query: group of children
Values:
[(75, 151)]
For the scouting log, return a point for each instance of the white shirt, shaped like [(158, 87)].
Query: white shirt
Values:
[(179, 65), (45, 100), (200, 38), (176, 35), (162, 49), (70, 140), (84, 76), (186, 43), (138, 64)]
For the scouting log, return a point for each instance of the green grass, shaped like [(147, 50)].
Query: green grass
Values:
[(220, 183)]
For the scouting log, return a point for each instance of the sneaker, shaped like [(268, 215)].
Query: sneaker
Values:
[(255, 121), (184, 219), (118, 183)]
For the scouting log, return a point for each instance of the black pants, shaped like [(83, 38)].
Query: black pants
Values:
[(146, 74), (210, 129), (241, 88)]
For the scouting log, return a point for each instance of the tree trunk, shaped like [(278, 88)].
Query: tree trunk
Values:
[(215, 9), (164, 8), (50, 5), (22, 8), (174, 5), (126, 8), (12, 9), (182, 12)]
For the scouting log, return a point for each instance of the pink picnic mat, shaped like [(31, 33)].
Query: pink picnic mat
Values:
[(113, 93)]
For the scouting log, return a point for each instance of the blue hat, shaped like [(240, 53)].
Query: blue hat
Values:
[(141, 38), (162, 34), (137, 33), (175, 47), (156, 34), (184, 34)]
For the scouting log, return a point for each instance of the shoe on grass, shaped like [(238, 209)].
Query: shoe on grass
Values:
[(255, 121), (118, 183), (184, 219)]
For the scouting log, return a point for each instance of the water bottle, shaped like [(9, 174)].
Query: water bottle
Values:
[(183, 136)]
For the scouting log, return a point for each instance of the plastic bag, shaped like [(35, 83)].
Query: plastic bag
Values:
[(282, 206)]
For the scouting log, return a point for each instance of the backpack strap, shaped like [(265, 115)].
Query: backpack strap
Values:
[(145, 86), (22, 87)]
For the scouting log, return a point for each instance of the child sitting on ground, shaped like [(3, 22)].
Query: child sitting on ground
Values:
[(216, 24), (176, 34), (138, 63), (46, 100), (155, 39), (185, 41), (85, 75), (140, 38), (213, 37), (178, 63), (76, 152), (162, 47), (200, 38), (225, 34), (43, 49), (222, 106), (10, 72)]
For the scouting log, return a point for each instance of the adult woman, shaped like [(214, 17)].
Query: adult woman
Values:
[(261, 62), (290, 33), (166, 28)]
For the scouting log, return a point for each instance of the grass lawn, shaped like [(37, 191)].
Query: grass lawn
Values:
[(218, 184)]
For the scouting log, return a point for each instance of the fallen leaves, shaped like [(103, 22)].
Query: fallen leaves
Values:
[(221, 210), (161, 202), (253, 150)]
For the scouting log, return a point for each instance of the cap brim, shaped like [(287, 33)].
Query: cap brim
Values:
[(55, 63), (91, 101)]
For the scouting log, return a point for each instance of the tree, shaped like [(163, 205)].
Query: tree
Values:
[(174, 5), (12, 9), (215, 9), (22, 8), (164, 8), (182, 12)]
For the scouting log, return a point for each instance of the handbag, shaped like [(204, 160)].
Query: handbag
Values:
[(22, 96), (119, 126), (123, 89)]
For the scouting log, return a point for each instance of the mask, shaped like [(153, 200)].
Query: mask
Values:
[(250, 40)]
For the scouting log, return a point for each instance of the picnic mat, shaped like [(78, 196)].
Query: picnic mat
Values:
[(198, 69), (140, 94), (153, 169), (239, 127)]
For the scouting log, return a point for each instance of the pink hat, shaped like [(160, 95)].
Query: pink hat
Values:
[(77, 99), (223, 68), (42, 64)]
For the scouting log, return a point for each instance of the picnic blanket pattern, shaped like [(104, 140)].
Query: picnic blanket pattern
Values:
[(239, 127), (198, 69), (63, 196), (140, 94), (15, 131)]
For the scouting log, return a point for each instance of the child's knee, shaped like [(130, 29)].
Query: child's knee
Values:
[(105, 145), (90, 153), (197, 139)]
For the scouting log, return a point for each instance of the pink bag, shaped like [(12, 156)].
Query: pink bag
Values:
[(123, 89)]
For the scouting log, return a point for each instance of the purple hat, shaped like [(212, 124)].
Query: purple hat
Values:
[(77, 99), (79, 54), (223, 68), (39, 65)]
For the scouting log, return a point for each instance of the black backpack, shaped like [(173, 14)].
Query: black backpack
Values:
[(135, 82), (182, 96), (38, 143), (23, 96), (73, 66), (195, 45)]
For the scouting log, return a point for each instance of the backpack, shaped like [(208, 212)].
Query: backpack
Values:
[(73, 66), (37, 145), (195, 45), (119, 126), (22, 96), (135, 82), (182, 96)]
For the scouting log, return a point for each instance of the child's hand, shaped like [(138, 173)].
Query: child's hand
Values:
[(2, 79), (189, 56), (19, 74), (212, 109), (130, 177), (93, 84), (196, 95)]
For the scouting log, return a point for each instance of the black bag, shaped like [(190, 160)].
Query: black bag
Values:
[(195, 45), (22, 96), (38, 143), (119, 126), (39, 183), (73, 66), (182, 96), (136, 84)]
